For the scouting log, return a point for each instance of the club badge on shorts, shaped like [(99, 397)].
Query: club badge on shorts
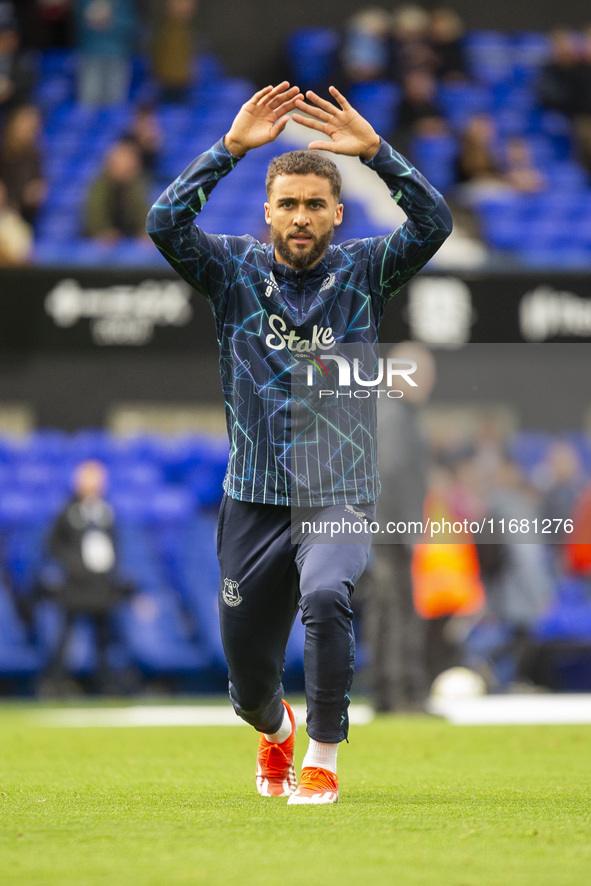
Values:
[(230, 593)]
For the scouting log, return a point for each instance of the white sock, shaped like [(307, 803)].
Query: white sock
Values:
[(283, 732), (321, 755)]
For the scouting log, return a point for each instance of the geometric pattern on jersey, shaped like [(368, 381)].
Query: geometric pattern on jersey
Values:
[(265, 313), (332, 454)]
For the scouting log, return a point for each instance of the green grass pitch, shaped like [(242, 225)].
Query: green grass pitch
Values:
[(422, 802)]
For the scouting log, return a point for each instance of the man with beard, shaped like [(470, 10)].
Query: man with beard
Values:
[(300, 296)]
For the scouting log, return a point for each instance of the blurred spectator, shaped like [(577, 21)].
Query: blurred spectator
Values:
[(483, 165), (448, 589), (520, 170), (478, 160), (564, 482), (582, 118), (395, 635), (21, 161), (16, 237), (174, 48), (410, 47), (145, 131), (418, 112), (490, 441), (444, 32), (565, 85), (517, 583), (366, 48), (557, 85), (16, 70), (105, 37), (117, 203), (45, 23), (82, 541)]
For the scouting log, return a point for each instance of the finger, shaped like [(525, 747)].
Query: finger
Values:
[(321, 102), (310, 122), (313, 111), (288, 105), (258, 95), (340, 98), (323, 146), (279, 126), (282, 97), (274, 91)]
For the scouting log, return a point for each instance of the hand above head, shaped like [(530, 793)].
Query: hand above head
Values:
[(349, 132), (261, 119)]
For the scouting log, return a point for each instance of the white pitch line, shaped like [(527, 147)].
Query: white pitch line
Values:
[(516, 710), (168, 715)]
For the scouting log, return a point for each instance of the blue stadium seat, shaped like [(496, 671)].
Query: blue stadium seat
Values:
[(312, 54), (189, 553), (529, 449), (569, 618), (460, 101), (567, 176), (378, 102), (18, 657), (490, 56), (501, 218), (132, 476), (531, 49), (157, 637), (92, 443), (543, 257), (435, 156)]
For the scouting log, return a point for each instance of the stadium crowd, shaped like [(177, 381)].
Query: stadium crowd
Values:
[(518, 613), (499, 122)]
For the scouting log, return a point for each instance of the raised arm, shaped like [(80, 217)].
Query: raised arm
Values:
[(201, 258), (398, 256)]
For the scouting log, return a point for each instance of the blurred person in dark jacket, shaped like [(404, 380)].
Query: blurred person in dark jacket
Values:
[(517, 581), (418, 113), (82, 541), (411, 50), (146, 132), (557, 84), (395, 634), (116, 204), (45, 23), (16, 67), (445, 32), (565, 85)]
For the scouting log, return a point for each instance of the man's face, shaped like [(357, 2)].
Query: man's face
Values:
[(302, 212), (90, 479)]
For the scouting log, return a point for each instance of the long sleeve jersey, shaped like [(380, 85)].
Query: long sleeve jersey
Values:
[(266, 314)]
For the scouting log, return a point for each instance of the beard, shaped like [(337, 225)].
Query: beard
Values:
[(297, 258)]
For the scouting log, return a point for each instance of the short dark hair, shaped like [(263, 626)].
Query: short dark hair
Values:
[(305, 163)]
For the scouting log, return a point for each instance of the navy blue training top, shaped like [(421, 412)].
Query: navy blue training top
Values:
[(267, 313)]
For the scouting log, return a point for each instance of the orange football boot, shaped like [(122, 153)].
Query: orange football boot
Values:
[(316, 787), (275, 775)]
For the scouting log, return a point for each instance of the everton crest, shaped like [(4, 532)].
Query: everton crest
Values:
[(230, 593)]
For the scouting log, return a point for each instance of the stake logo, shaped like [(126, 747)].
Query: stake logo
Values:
[(280, 338)]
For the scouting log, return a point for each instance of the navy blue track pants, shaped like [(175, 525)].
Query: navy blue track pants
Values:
[(264, 577)]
